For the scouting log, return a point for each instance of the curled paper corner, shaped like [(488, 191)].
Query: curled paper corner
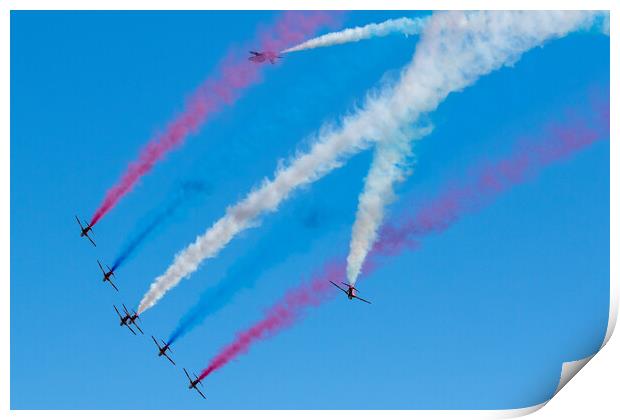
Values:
[(569, 370), (518, 412)]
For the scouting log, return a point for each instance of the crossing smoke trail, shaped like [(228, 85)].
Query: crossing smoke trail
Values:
[(403, 25), (234, 75), (456, 48), (186, 192), (558, 142), (389, 166)]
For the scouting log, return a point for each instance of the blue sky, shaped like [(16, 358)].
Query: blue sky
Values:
[(480, 317)]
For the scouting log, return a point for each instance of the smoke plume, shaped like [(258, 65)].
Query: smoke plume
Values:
[(456, 48), (234, 75), (403, 25), (557, 142), (185, 193)]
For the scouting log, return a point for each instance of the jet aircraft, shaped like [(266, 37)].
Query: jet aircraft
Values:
[(107, 275), (124, 319), (350, 292), (261, 57), (193, 384), (85, 230), (164, 349)]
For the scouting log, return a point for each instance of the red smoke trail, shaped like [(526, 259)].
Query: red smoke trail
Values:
[(558, 142), (281, 315), (235, 73)]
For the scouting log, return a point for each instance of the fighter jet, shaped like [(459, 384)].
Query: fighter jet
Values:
[(124, 319), (107, 275), (85, 230), (133, 319), (193, 383), (164, 349), (350, 292), (261, 57)]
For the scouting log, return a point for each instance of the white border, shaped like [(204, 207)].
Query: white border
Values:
[(599, 380)]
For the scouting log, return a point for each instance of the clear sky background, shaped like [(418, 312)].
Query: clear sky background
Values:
[(481, 316)]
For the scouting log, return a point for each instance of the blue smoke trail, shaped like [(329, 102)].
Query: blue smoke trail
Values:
[(188, 189), (246, 271)]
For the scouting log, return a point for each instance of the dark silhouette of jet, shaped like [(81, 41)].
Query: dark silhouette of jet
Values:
[(350, 292), (125, 319), (164, 349), (85, 230), (193, 384), (133, 319), (107, 275)]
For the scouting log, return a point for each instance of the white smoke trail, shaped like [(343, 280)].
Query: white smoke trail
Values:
[(403, 25), (389, 162), (456, 49), (389, 165)]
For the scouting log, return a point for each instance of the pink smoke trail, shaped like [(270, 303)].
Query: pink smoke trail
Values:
[(235, 74), (281, 315), (557, 142)]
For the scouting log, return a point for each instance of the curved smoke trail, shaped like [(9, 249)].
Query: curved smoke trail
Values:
[(456, 48), (234, 75), (558, 142), (388, 167), (403, 25), (390, 164)]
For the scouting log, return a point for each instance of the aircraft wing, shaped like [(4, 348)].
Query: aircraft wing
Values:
[(116, 309), (138, 327), (363, 300), (200, 392), (79, 223), (101, 267), (187, 374), (168, 357), (338, 287), (134, 333), (251, 52), (115, 288), (157, 344), (91, 240)]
